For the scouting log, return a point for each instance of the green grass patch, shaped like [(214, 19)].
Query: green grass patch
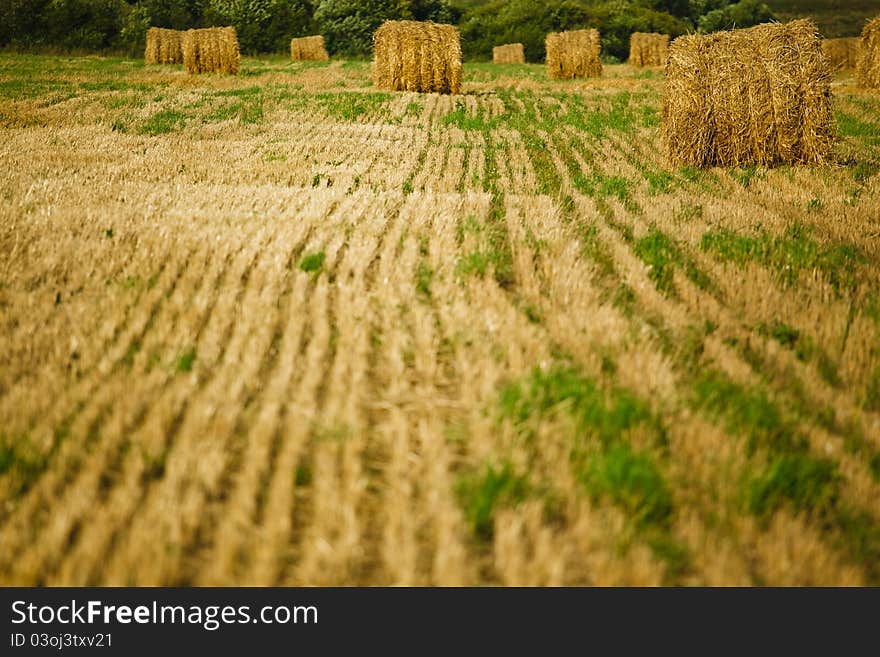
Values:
[(481, 494), (749, 412), (789, 255), (312, 263), (185, 361), (162, 122), (805, 483), (632, 481), (663, 256)]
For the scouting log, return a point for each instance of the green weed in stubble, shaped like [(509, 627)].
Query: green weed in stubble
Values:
[(790, 254), (312, 263), (482, 493)]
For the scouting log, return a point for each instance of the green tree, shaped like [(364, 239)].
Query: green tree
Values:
[(742, 14)]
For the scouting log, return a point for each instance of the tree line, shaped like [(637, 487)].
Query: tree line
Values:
[(348, 25)]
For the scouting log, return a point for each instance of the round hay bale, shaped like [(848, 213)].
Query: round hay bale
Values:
[(511, 53), (841, 53), (211, 50), (759, 96), (648, 49), (868, 64), (309, 49), (573, 54), (417, 56)]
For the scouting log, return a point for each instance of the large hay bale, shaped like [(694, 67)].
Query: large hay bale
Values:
[(759, 96), (841, 53), (573, 54), (211, 50), (309, 49), (512, 53), (868, 65), (415, 56), (648, 49), (164, 46)]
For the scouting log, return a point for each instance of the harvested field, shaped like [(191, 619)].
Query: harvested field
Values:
[(284, 328), (512, 53), (308, 49), (759, 96), (417, 56), (648, 49), (573, 54)]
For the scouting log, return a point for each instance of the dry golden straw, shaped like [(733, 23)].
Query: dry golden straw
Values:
[(648, 49), (164, 46), (868, 65), (212, 50), (573, 54), (841, 53), (512, 53), (309, 49), (760, 96), (414, 56)]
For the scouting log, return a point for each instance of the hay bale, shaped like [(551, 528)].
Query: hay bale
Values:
[(309, 49), (164, 46), (416, 56), (759, 96), (841, 53), (512, 53), (211, 50), (648, 49), (573, 54), (868, 64)]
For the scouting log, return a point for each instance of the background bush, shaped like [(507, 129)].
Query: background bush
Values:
[(348, 25)]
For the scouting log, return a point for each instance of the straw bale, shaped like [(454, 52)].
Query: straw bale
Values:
[(309, 49), (164, 46), (573, 54), (841, 53), (868, 64), (416, 56), (648, 49), (211, 50), (758, 96), (512, 53)]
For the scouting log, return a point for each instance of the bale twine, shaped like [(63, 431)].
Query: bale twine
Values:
[(648, 49), (573, 54), (416, 56), (164, 46), (211, 50), (841, 53), (868, 64), (309, 49), (512, 53), (759, 96)]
